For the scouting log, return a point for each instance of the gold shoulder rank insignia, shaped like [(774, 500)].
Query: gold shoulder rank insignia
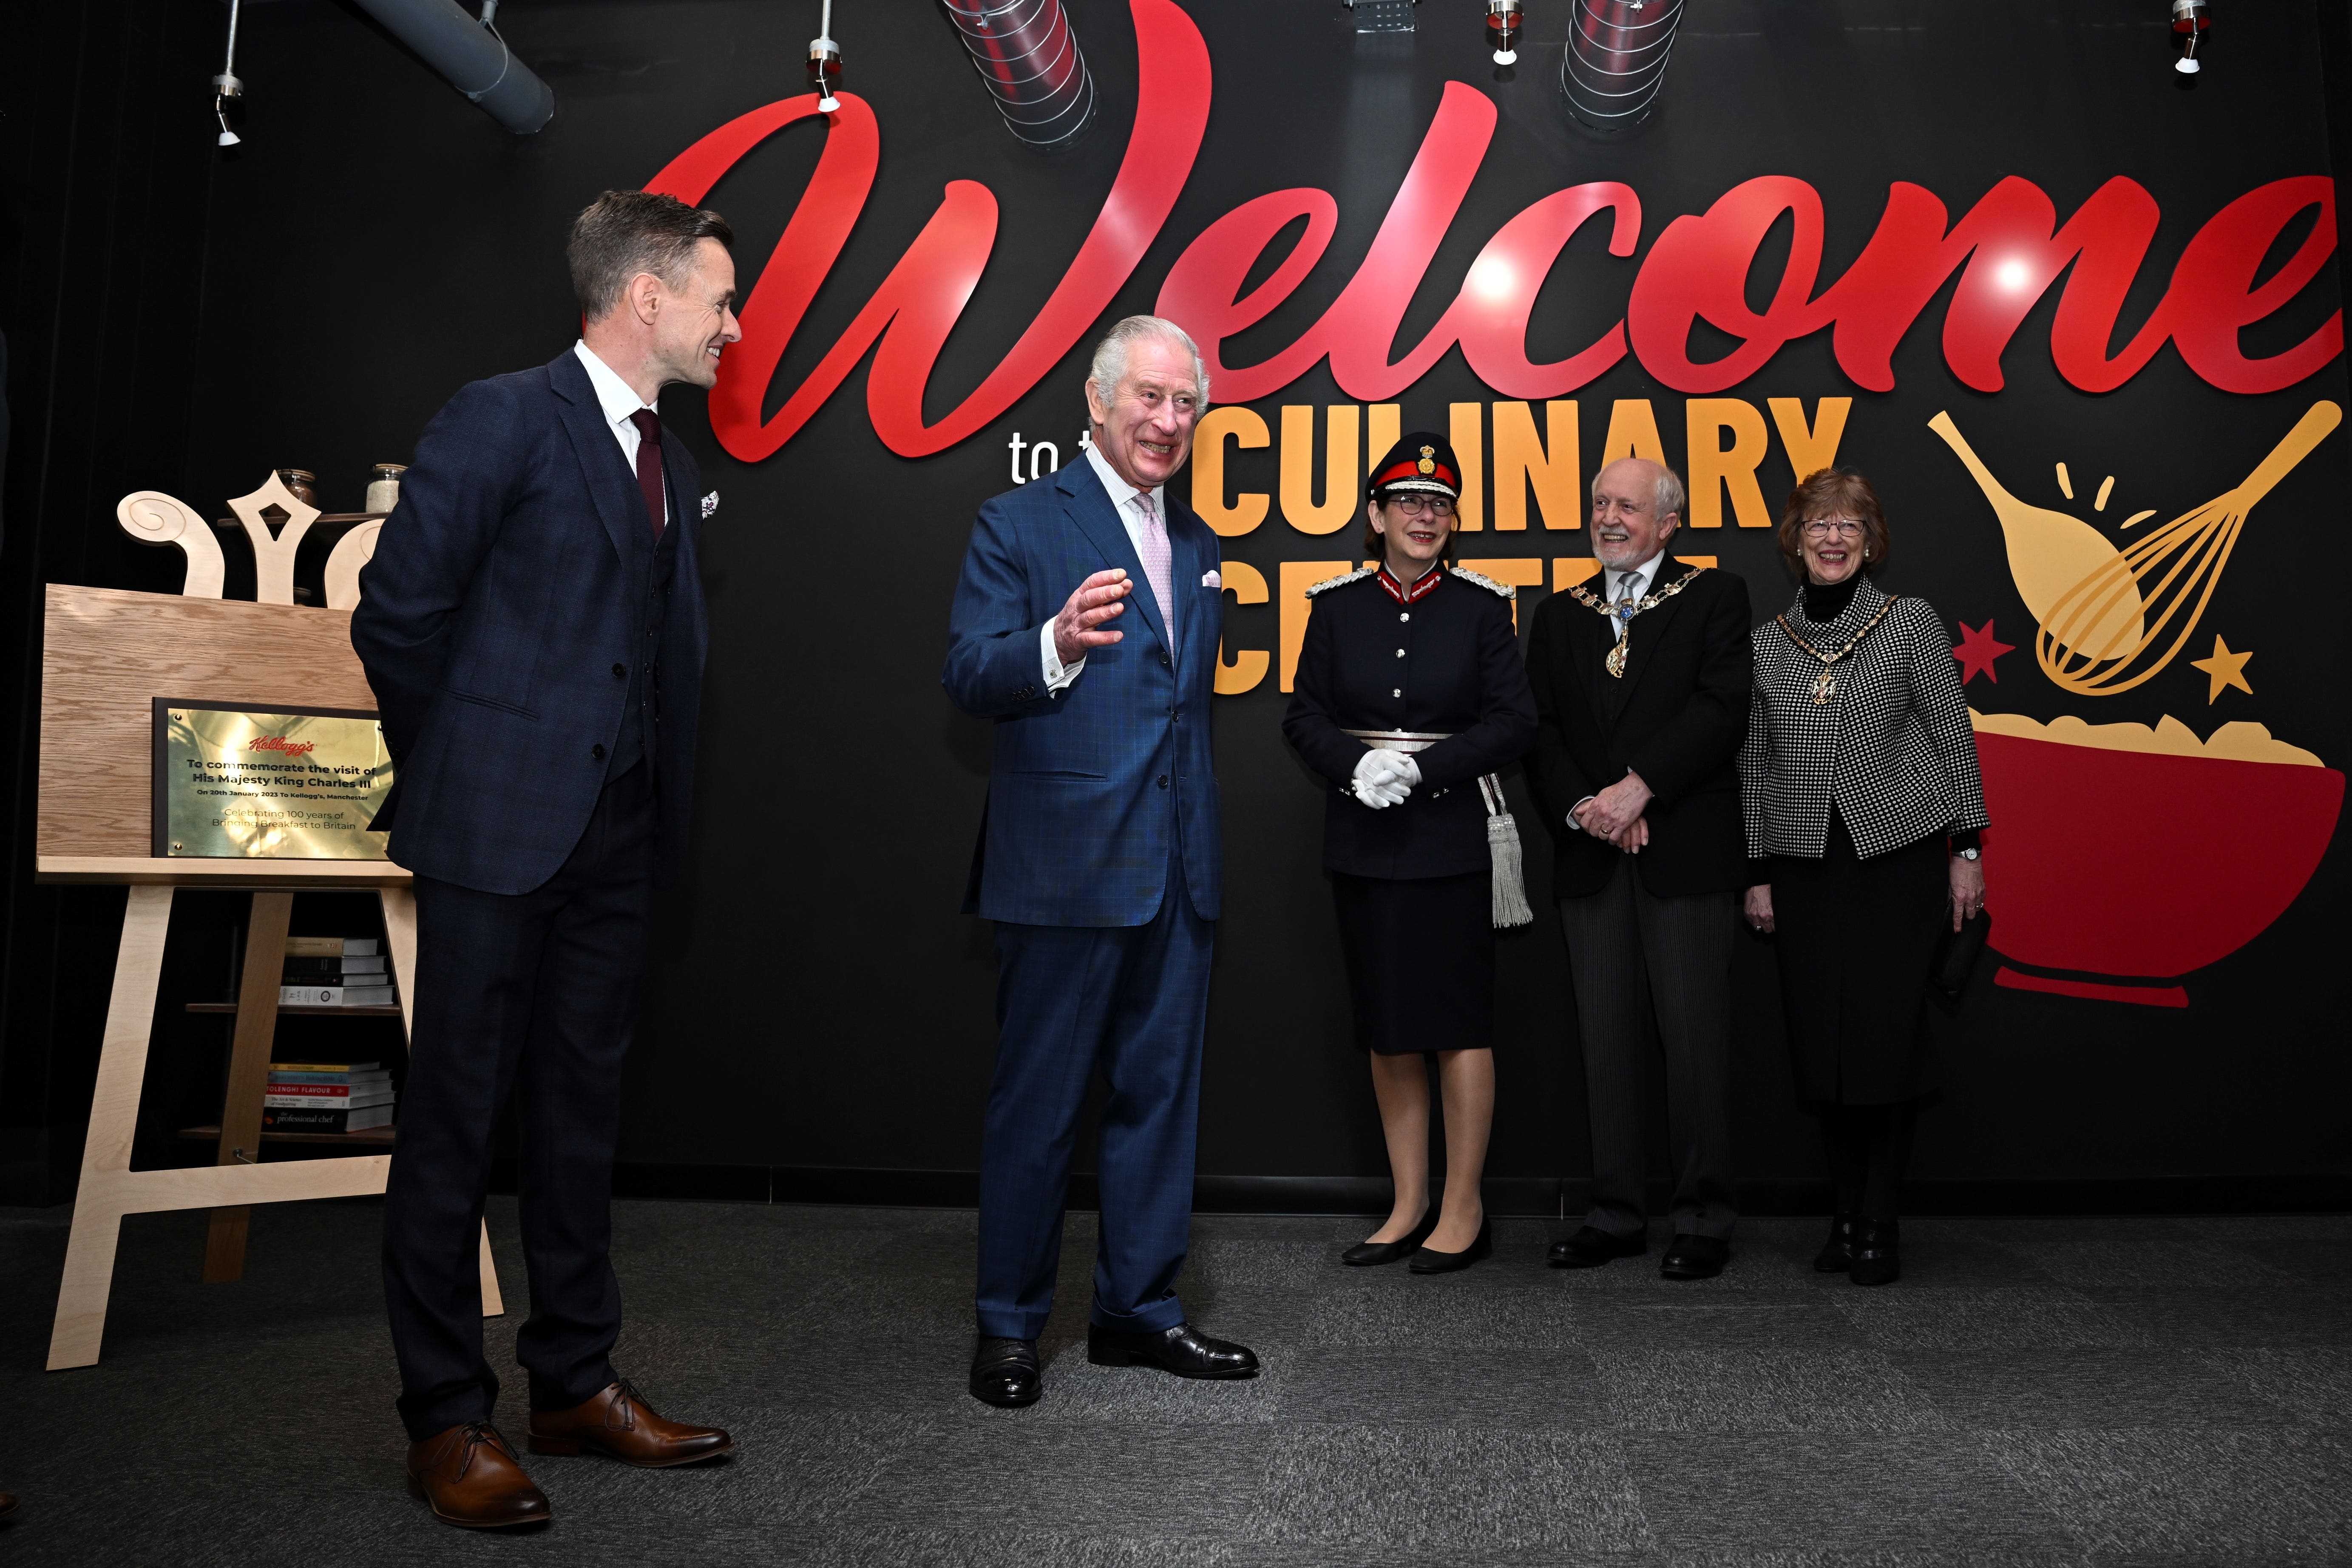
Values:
[(1340, 581), (1487, 582)]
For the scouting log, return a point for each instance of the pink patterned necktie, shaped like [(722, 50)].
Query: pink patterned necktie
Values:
[(1159, 567)]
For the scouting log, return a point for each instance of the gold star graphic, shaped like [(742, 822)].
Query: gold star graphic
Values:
[(2222, 670)]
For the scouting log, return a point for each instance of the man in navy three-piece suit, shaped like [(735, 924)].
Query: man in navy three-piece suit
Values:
[(1086, 625), (532, 625)]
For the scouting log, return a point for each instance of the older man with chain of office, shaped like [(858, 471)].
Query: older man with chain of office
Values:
[(1641, 704)]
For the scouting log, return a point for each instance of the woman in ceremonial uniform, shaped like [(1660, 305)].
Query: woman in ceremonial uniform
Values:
[(1864, 807), (1410, 695)]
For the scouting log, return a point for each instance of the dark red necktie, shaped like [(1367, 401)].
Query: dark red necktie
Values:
[(649, 466)]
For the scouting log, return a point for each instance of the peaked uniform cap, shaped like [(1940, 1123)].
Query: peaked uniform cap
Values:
[(1422, 460)]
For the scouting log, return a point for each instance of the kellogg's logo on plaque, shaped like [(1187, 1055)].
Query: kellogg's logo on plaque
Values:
[(286, 784)]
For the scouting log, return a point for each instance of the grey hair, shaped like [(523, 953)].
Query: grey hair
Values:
[(1110, 367), (1667, 497)]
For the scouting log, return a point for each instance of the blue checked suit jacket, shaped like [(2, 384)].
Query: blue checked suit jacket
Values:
[(496, 623), (1091, 795)]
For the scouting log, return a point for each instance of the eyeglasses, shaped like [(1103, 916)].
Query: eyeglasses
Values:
[(1416, 505), (1842, 528)]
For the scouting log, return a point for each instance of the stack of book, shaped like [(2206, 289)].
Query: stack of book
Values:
[(327, 1097), (335, 972)]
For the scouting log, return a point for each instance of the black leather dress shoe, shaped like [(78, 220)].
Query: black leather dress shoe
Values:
[(1836, 1256), (1373, 1254), (1591, 1247), (1874, 1252), (1695, 1257), (1429, 1260), (1005, 1372), (1181, 1350)]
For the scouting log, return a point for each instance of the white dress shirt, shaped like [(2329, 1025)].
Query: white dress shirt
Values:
[(1613, 581), (1647, 571), (1123, 500), (619, 400)]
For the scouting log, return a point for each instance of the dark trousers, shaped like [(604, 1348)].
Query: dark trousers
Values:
[(1633, 954), (1869, 1147), (1132, 1002), (531, 996)]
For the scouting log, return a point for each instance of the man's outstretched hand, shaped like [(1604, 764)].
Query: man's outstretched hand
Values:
[(1098, 598)]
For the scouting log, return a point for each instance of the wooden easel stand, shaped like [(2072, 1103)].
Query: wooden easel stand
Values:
[(107, 653), (110, 1188)]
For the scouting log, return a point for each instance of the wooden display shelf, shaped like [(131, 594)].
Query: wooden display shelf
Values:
[(373, 1137), (286, 1010)]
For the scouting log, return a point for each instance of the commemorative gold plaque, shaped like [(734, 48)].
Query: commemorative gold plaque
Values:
[(277, 784)]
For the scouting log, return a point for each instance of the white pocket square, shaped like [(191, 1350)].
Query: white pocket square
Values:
[(711, 503), (1209, 579)]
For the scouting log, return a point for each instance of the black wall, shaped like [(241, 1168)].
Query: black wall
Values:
[(187, 320)]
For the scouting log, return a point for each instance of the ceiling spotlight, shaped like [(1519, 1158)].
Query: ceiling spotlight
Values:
[(1503, 31), (226, 85), (824, 62), (2190, 20)]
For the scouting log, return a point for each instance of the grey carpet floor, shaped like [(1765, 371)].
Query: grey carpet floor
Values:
[(2091, 1392)]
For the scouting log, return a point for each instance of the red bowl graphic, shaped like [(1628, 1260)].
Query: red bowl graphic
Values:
[(2093, 869)]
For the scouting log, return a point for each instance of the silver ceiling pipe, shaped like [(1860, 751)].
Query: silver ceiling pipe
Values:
[(1616, 60), (1025, 52), (473, 57)]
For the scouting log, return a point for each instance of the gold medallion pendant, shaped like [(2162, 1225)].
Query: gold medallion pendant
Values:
[(1825, 684), (1621, 616)]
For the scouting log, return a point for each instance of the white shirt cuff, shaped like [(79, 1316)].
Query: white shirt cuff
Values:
[(1057, 674), (1571, 815)]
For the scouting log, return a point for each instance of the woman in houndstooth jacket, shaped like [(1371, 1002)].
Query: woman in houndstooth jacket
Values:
[(1864, 808)]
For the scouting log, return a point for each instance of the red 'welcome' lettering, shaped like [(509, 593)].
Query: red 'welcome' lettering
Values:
[(919, 303), (2008, 250)]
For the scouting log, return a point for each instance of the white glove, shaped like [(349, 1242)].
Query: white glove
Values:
[(1385, 778)]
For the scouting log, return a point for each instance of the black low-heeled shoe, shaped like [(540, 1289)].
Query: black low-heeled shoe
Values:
[(1876, 1252), (1836, 1255), (1430, 1261), (1373, 1254)]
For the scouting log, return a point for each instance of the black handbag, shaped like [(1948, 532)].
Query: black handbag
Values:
[(1955, 958)]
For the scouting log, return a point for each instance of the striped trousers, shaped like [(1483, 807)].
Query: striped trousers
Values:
[(1635, 955)]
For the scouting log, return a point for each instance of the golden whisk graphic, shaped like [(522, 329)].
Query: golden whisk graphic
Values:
[(2101, 610)]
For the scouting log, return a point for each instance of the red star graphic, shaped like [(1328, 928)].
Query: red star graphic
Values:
[(1978, 649)]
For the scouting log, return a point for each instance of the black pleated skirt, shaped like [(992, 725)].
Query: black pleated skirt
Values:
[(1421, 960), (1857, 942)]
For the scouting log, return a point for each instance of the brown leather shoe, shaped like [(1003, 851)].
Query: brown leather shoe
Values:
[(620, 1425), (472, 1478)]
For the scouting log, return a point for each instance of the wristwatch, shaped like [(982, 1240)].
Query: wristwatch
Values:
[(1969, 854)]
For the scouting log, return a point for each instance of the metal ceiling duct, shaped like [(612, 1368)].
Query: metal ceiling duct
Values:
[(1616, 60), (474, 59), (1026, 53)]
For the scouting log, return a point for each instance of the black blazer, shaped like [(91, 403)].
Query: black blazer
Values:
[(1677, 717), (497, 621), (1460, 675)]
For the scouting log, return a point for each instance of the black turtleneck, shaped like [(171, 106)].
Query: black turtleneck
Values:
[(1825, 602)]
